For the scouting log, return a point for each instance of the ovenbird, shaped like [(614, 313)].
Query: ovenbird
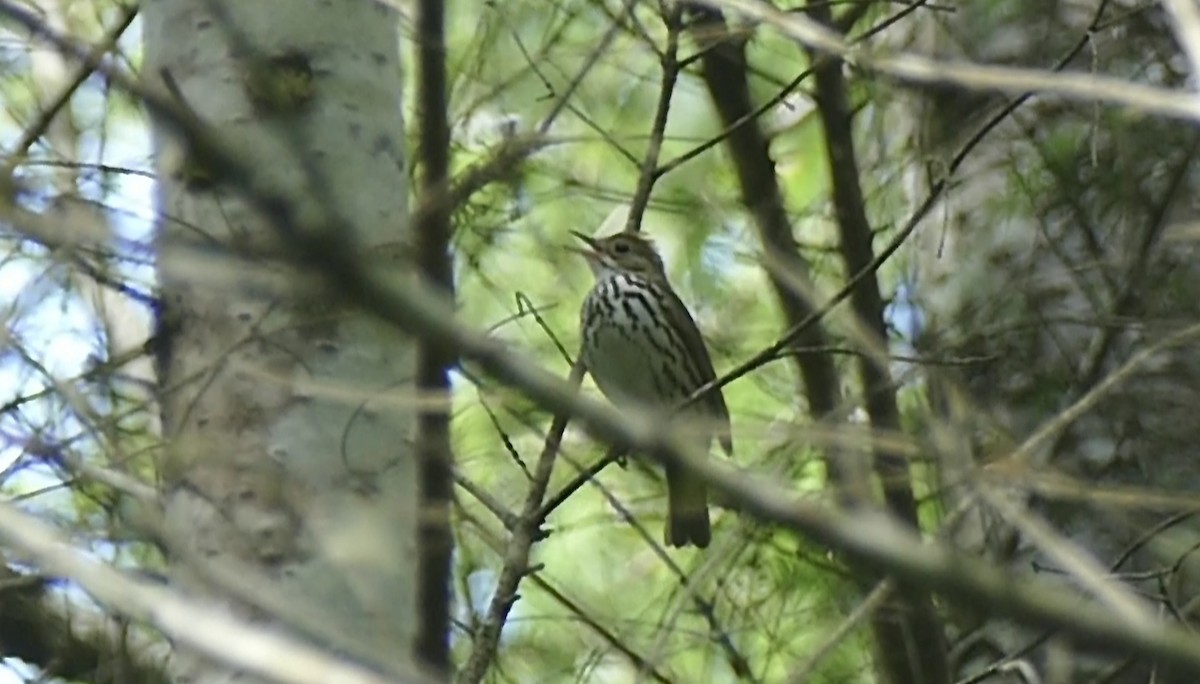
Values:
[(643, 349)]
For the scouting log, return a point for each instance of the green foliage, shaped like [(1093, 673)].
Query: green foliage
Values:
[(772, 598), (603, 594)]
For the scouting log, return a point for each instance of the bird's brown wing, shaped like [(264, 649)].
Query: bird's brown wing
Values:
[(714, 400)]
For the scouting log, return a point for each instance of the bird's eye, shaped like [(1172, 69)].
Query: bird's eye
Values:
[(621, 248)]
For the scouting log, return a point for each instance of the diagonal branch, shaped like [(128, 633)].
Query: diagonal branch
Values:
[(76, 646), (212, 631)]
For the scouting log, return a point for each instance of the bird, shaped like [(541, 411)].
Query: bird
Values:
[(643, 350)]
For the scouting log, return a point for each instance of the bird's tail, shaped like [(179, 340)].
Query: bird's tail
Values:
[(687, 509)]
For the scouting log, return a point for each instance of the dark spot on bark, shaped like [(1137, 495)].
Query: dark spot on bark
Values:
[(281, 84)]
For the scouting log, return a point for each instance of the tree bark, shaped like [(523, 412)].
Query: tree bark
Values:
[(287, 410)]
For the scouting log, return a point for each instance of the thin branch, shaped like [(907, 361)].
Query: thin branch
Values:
[(658, 128), (1072, 560), (38, 128), (738, 662), (592, 59), (909, 67), (516, 556), (579, 612), (1025, 454), (872, 602), (642, 664)]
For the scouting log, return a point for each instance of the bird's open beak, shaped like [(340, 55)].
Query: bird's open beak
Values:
[(592, 252)]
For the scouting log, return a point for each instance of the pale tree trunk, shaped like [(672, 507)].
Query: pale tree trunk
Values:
[(1050, 265), (288, 478)]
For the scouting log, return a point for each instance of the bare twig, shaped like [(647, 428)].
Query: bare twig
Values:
[(38, 128), (524, 533), (593, 57), (658, 128), (1075, 562), (909, 67), (737, 661)]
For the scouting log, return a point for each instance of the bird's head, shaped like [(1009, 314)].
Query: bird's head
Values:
[(622, 253)]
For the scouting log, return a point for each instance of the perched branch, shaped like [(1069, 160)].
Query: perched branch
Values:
[(516, 556)]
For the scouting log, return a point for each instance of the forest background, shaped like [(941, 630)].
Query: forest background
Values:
[(290, 319)]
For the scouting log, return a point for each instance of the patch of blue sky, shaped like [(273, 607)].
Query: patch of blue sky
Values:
[(50, 328), (720, 251), (42, 314), (481, 587), (16, 671), (904, 314)]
